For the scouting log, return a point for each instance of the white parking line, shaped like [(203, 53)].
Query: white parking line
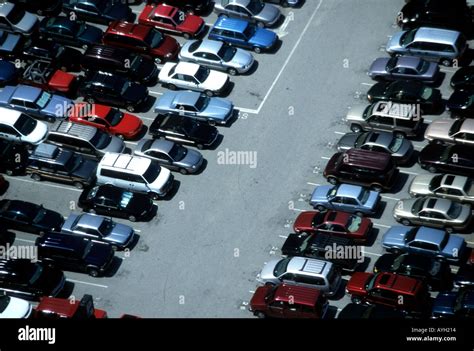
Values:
[(87, 283), (381, 225), (340, 133), (315, 184), (44, 183), (298, 210), (156, 92), (147, 118), (427, 120), (137, 230), (251, 291), (25, 240), (390, 198), (371, 253), (408, 172), (283, 237), (131, 142), (470, 242), (325, 158), (136, 12), (368, 84), (443, 69)]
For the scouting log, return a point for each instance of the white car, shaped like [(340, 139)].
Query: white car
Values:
[(18, 127), (187, 75), (12, 307)]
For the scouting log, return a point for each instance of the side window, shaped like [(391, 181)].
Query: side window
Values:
[(405, 123), (17, 102), (381, 120), (8, 130), (110, 173), (446, 48), (423, 246), (350, 201), (455, 192)]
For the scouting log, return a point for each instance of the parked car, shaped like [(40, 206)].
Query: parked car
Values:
[(255, 11), (107, 119), (406, 92), (99, 11), (13, 157), (243, 34), (187, 75), (98, 228), (302, 271), (40, 7), (14, 308), (170, 155), (190, 6), (435, 44), (15, 19), (8, 73), (18, 127), (110, 200), (57, 308), (400, 149), (463, 79), (120, 61), (141, 39), (407, 294), (460, 103), (217, 55), (135, 173), (358, 311), (345, 197), (404, 67), (288, 301), (435, 273), (446, 186), (35, 102), (401, 119), (335, 223), (66, 31), (61, 165), (456, 159), (28, 217), (286, 3), (10, 45), (29, 280), (75, 253), (184, 130), (172, 19), (456, 304), (108, 88), (424, 241), (453, 131), (464, 277), (362, 167), (212, 110)]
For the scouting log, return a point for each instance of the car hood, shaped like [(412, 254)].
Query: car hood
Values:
[(395, 236), (458, 99), (266, 274), (420, 184), (116, 145), (38, 134), (460, 76), (393, 43), (192, 23), (7, 70), (162, 178), (136, 93), (11, 42), (403, 207), (304, 221), (58, 107), (92, 35), (218, 108), (87, 169), (129, 123), (439, 129), (258, 298), (378, 66), (384, 263), (269, 13), (62, 80), (320, 193), (119, 11), (431, 152), (356, 113), (192, 158), (168, 45), (347, 141), (242, 58), (215, 81), (377, 90), (138, 204), (263, 37), (357, 282), (27, 23), (455, 246), (444, 303), (120, 234), (17, 308)]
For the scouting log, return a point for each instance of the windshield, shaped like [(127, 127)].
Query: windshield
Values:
[(16, 15), (126, 85), (391, 63), (397, 263), (364, 196), (445, 156), (226, 53), (36, 274), (87, 249), (4, 302), (105, 227), (101, 140), (92, 193), (423, 66), (456, 126), (39, 216), (178, 152), (361, 139), (125, 200), (43, 99), (370, 283), (455, 210), (249, 31), (73, 163), (281, 266), (435, 182), (202, 102), (25, 124), (152, 173), (416, 206), (407, 37), (255, 6), (353, 224), (202, 73), (136, 62), (114, 117), (396, 144), (154, 38)]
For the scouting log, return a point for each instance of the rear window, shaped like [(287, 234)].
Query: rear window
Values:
[(460, 43)]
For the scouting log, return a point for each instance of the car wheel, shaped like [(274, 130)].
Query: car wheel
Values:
[(321, 208), (209, 93), (200, 146), (154, 196), (356, 299), (257, 50), (131, 108), (356, 128), (399, 135), (376, 187), (40, 12), (36, 177), (85, 46), (332, 180), (183, 171), (232, 71), (9, 172), (360, 214), (446, 62), (51, 119), (93, 272), (260, 24), (211, 122), (90, 100), (394, 251), (449, 230), (41, 233), (132, 218), (78, 185), (285, 4), (171, 87), (92, 211), (114, 247), (405, 221), (259, 314), (432, 169), (187, 36)]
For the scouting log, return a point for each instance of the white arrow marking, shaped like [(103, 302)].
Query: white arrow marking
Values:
[(281, 31)]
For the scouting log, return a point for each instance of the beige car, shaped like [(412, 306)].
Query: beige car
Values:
[(447, 186), (457, 131)]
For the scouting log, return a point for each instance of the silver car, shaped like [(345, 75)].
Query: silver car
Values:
[(447, 186), (405, 67), (14, 19), (265, 15), (170, 155), (451, 131), (217, 55)]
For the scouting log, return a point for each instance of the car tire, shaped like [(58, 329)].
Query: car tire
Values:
[(260, 24), (9, 172), (257, 50), (183, 171), (154, 196), (232, 71), (200, 146), (211, 122), (90, 100), (78, 185), (259, 314), (92, 211), (85, 46), (36, 177), (446, 62), (399, 134), (171, 86), (332, 180), (285, 4), (376, 187), (449, 230), (93, 272), (356, 128), (356, 299), (432, 169), (130, 108), (405, 221), (321, 208), (209, 93), (394, 251), (132, 218), (187, 36)]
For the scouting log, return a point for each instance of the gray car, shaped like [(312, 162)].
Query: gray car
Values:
[(99, 228), (212, 110), (405, 67), (170, 155), (447, 186), (424, 241), (264, 15), (35, 102), (13, 18), (401, 149), (217, 55)]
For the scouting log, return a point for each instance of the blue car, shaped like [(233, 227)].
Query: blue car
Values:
[(8, 73), (10, 44), (35, 102), (345, 197), (424, 241), (455, 304), (242, 33)]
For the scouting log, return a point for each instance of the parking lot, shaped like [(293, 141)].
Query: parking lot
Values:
[(199, 257)]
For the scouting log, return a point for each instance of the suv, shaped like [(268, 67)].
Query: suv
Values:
[(401, 119), (13, 157), (84, 139), (288, 301), (303, 272), (135, 173), (389, 289), (120, 61), (75, 253), (142, 39), (439, 45), (189, 6), (51, 162), (58, 308), (362, 167)]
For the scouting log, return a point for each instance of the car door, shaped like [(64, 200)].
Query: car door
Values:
[(422, 248), (384, 297), (381, 123), (165, 23), (22, 222), (350, 205), (8, 133), (234, 10), (464, 138), (209, 59), (186, 110), (191, 82), (162, 158), (276, 309), (18, 104)]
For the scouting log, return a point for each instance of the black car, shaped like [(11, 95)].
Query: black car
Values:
[(75, 253), (60, 56), (183, 130), (40, 7), (110, 89), (13, 157), (320, 246), (30, 280), (437, 274), (461, 103), (66, 31), (61, 165), (360, 311), (29, 217), (113, 201), (406, 92), (456, 159), (120, 61), (464, 277), (190, 6), (99, 11), (463, 78)]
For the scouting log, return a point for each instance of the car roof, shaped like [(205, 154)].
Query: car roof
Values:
[(161, 145), (74, 129), (59, 306), (349, 190), (26, 93), (88, 221), (164, 10), (408, 61), (395, 110), (301, 295), (210, 46), (430, 235), (8, 116), (125, 162), (437, 204), (234, 24), (108, 51), (366, 158), (186, 68), (130, 29), (46, 150), (436, 35), (453, 181), (396, 282), (308, 265), (467, 126), (5, 8)]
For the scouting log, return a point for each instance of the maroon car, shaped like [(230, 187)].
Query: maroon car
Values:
[(336, 223)]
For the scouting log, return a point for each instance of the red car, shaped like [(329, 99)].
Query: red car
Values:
[(56, 308), (108, 119), (141, 39), (172, 19), (335, 223), (394, 290), (42, 75)]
